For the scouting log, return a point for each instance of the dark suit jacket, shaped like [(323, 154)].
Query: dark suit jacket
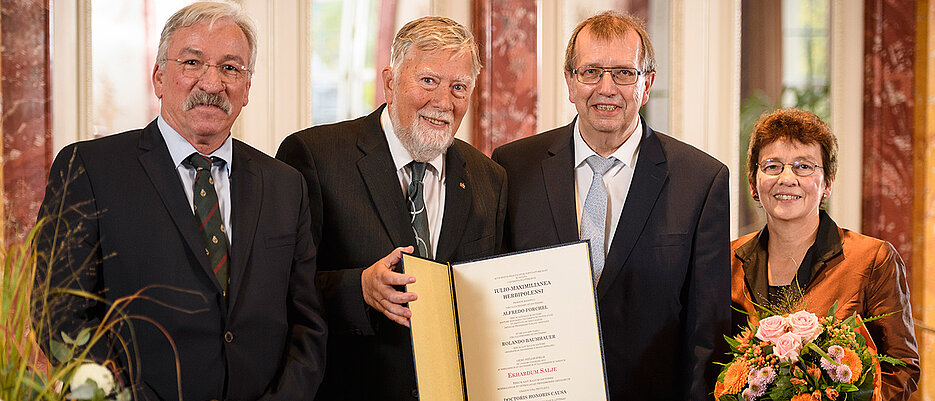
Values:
[(664, 294), (359, 215), (123, 204)]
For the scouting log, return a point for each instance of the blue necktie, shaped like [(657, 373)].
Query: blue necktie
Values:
[(594, 213)]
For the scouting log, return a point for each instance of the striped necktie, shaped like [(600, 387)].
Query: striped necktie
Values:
[(208, 213)]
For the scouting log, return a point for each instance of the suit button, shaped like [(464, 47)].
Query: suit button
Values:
[(228, 337), (415, 393)]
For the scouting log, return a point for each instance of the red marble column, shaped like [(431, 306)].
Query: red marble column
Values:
[(385, 35), (27, 140), (889, 57), (507, 88)]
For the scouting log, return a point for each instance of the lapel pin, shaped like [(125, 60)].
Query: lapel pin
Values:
[(461, 184)]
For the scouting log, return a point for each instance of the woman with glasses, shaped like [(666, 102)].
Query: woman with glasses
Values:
[(802, 255)]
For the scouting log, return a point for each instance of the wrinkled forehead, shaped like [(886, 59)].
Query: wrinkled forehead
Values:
[(453, 64), (589, 40), (221, 37)]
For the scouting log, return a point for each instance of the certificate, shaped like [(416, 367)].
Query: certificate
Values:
[(521, 326)]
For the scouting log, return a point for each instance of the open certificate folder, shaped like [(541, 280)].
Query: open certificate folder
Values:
[(522, 326)]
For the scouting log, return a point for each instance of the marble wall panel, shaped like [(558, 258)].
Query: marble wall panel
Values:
[(506, 91), (889, 56), (923, 259), (24, 63)]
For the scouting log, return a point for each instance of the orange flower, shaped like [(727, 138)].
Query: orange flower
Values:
[(852, 360), (813, 371), (803, 397), (736, 376)]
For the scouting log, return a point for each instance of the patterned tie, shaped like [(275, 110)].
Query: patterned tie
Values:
[(208, 213), (594, 215), (420, 220)]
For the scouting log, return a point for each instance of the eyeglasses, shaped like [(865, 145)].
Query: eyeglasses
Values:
[(621, 76), (229, 72), (799, 168)]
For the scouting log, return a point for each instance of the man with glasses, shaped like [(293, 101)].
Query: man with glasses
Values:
[(654, 209), (213, 234)]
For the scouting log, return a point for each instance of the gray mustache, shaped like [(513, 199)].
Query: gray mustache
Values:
[(202, 98)]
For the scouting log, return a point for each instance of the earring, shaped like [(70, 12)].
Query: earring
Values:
[(824, 196), (756, 196)]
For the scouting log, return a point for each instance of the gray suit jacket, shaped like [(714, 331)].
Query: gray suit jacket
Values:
[(116, 209), (664, 294), (359, 215)]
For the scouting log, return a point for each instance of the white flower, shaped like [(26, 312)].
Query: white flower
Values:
[(97, 373)]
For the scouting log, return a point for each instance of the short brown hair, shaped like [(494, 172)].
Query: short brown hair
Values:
[(613, 25), (794, 125)]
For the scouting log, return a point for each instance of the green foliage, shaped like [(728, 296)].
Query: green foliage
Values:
[(808, 370)]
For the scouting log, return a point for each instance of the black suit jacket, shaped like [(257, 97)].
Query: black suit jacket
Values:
[(126, 214), (664, 294), (359, 215)]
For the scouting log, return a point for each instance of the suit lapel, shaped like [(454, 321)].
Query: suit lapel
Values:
[(156, 162), (649, 177), (377, 169), (756, 280), (558, 172), (457, 205), (246, 186)]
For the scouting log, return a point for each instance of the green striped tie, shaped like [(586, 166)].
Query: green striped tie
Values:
[(208, 213)]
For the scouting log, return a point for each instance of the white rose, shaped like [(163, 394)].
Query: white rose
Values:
[(95, 372)]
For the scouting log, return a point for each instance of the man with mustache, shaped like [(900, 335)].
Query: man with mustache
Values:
[(213, 233), (396, 181), (653, 208)]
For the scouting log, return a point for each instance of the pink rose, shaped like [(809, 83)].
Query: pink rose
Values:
[(805, 325), (787, 347), (771, 328)]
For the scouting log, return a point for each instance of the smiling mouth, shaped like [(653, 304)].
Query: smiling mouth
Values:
[(786, 197), (606, 107), (434, 121)]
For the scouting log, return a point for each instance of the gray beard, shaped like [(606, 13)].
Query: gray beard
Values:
[(423, 144)]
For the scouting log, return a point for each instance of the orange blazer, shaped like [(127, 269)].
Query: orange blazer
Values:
[(864, 274)]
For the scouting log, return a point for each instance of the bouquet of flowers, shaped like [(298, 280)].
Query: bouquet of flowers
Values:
[(801, 357)]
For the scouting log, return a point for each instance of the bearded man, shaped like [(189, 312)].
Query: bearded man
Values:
[(396, 180)]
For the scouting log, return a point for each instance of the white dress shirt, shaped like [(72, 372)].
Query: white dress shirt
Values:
[(433, 184), (617, 179), (180, 149)]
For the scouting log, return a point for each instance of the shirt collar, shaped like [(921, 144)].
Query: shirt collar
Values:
[(401, 156), (625, 153), (180, 148)]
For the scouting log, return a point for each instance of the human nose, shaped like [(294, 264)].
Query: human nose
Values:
[(442, 100), (210, 79), (606, 84), (787, 174)]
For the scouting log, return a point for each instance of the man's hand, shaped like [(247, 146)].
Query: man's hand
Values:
[(377, 282)]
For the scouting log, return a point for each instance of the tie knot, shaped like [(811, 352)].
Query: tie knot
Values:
[(201, 162), (418, 171), (599, 164)]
